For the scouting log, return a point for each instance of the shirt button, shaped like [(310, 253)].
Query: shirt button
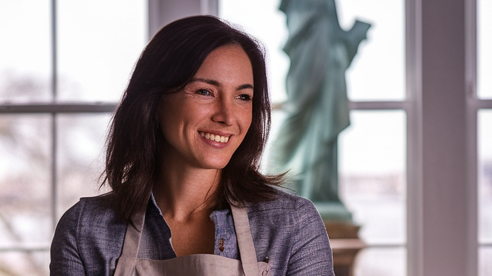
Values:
[(221, 245)]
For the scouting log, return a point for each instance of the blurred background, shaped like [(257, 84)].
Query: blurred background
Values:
[(64, 66)]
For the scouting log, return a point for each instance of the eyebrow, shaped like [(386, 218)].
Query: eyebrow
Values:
[(216, 83)]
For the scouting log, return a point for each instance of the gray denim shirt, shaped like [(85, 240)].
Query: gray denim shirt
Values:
[(288, 232)]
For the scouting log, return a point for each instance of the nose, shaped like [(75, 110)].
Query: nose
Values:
[(224, 112)]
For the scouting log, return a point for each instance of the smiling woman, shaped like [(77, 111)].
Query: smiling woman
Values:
[(206, 121), (183, 164)]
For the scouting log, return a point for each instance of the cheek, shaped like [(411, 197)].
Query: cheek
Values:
[(166, 129), (246, 128), (164, 119), (246, 116), (169, 123)]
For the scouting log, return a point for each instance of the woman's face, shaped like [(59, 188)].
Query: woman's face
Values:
[(205, 122)]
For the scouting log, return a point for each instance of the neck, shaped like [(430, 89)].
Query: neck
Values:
[(181, 193)]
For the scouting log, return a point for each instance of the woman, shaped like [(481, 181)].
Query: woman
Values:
[(182, 161)]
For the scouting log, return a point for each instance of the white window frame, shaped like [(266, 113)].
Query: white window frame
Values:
[(53, 109)]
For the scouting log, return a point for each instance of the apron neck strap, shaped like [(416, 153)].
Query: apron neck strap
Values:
[(243, 234), (133, 235), (245, 241)]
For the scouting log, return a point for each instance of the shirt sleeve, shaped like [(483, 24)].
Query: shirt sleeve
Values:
[(65, 258), (311, 252)]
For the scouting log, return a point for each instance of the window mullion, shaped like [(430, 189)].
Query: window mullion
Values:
[(413, 56), (54, 93), (54, 178), (58, 108), (443, 132), (379, 105), (472, 136)]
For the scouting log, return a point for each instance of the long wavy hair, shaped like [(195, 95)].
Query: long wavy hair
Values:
[(135, 142)]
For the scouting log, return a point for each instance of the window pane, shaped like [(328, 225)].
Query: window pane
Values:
[(81, 140), (378, 70), (372, 174), (24, 263), (278, 116), (376, 73), (485, 265), (99, 43), (25, 58), (484, 44), (381, 262), (25, 205), (485, 175)]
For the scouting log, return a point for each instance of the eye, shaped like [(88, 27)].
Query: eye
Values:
[(203, 92), (245, 97)]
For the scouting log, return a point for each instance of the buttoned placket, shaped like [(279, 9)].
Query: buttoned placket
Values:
[(225, 236)]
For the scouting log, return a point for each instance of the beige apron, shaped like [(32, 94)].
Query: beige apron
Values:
[(199, 264)]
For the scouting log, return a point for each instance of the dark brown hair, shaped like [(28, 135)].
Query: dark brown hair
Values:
[(167, 64)]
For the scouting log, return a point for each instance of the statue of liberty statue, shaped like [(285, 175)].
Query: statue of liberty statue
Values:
[(320, 52)]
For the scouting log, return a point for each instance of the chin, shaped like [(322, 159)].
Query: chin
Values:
[(218, 164)]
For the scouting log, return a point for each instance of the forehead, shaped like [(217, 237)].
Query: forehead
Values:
[(227, 61)]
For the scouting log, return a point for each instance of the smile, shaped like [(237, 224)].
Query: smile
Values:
[(214, 137)]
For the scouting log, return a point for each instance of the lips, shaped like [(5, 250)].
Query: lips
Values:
[(214, 137)]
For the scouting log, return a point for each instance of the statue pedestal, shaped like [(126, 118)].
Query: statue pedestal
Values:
[(345, 243)]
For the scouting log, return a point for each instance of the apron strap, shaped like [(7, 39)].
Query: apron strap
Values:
[(131, 244), (245, 241), (126, 262)]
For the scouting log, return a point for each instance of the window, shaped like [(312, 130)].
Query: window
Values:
[(372, 151), (64, 66), (482, 108), (484, 42), (430, 92), (485, 190)]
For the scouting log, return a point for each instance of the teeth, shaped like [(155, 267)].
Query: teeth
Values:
[(214, 137)]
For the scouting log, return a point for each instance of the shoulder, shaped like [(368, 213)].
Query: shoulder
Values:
[(90, 234), (97, 209), (290, 231), (286, 202), (94, 218), (284, 214), (89, 211)]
